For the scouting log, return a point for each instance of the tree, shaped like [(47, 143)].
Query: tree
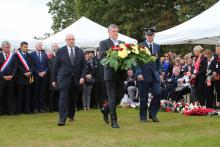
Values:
[(130, 15), (63, 13)]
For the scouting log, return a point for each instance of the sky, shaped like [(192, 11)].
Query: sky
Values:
[(25, 16)]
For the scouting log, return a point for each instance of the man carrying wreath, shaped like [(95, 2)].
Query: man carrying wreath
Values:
[(114, 79)]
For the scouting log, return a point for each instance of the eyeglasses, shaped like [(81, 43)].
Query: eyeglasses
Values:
[(70, 39)]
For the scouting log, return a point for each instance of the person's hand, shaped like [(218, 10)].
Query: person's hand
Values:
[(193, 76), (81, 81), (42, 74), (140, 78), (88, 76), (10, 77), (54, 84), (214, 73), (27, 74), (5, 78)]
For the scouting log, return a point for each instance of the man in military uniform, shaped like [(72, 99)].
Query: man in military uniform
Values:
[(148, 76)]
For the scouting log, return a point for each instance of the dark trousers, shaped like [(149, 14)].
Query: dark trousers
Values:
[(40, 86), (23, 98), (67, 101), (217, 89), (178, 95), (7, 99), (115, 94), (145, 88), (100, 93), (201, 92), (210, 96), (53, 100)]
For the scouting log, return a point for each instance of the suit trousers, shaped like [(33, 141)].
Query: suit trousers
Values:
[(115, 91), (144, 89), (7, 99), (24, 98), (40, 86), (67, 100)]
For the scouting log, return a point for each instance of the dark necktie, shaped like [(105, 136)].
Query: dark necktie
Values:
[(72, 56), (150, 47), (24, 55), (39, 56)]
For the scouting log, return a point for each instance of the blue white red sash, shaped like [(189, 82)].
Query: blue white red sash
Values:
[(7, 62), (23, 60)]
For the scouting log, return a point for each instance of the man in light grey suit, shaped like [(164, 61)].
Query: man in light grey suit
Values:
[(114, 80), (68, 75)]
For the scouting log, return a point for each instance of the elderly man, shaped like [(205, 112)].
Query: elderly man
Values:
[(40, 65), (68, 75), (114, 80), (7, 76), (53, 91)]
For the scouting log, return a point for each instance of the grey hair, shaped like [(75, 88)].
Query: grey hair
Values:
[(5, 43), (198, 48), (112, 26)]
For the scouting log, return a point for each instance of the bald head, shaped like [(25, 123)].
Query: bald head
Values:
[(70, 40)]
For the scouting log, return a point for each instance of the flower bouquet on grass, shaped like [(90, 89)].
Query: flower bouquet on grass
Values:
[(194, 109), (127, 56), (166, 105)]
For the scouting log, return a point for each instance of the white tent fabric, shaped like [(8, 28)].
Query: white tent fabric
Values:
[(87, 34), (202, 29), (15, 38)]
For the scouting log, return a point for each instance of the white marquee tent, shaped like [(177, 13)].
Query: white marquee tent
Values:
[(87, 34), (202, 29), (15, 38)]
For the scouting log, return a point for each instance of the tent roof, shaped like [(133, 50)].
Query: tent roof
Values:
[(87, 33), (202, 29)]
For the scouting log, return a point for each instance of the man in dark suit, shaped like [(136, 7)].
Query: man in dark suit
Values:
[(68, 75), (53, 91), (149, 79), (40, 65), (7, 76), (24, 78), (114, 80)]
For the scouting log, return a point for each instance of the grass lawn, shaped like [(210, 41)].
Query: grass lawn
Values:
[(88, 129)]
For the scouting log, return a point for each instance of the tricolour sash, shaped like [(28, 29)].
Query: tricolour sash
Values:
[(7, 62), (23, 60)]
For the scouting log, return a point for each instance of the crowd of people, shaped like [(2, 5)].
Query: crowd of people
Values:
[(35, 82)]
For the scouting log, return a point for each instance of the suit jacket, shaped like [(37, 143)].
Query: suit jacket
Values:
[(109, 73), (39, 66), (151, 70), (21, 79), (201, 74), (10, 70), (63, 70)]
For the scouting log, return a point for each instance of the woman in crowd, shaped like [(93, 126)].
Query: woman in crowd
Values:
[(89, 82), (199, 74), (210, 87), (167, 65)]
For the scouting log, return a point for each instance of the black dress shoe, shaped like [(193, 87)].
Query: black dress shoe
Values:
[(115, 125), (105, 115), (61, 124), (155, 119)]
